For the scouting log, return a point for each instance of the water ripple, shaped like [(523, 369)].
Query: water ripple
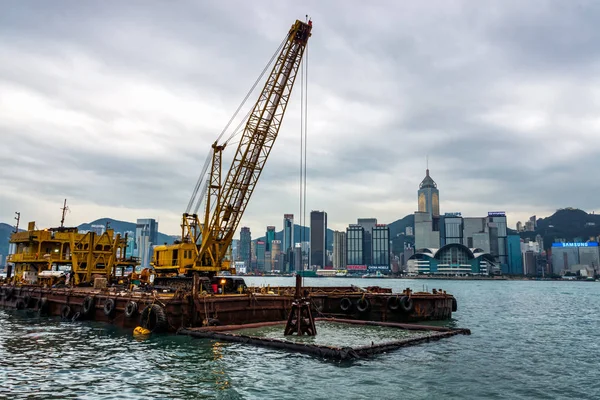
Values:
[(530, 340)]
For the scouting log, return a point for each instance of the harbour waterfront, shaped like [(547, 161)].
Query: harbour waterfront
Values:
[(530, 339)]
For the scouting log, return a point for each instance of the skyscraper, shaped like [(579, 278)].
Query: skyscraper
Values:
[(275, 252), (269, 237), (355, 245), (339, 250), (260, 255), (318, 238), (146, 236), (288, 232), (244, 250), (381, 247), (368, 224), (427, 218)]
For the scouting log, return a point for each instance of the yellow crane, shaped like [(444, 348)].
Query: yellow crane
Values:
[(205, 241)]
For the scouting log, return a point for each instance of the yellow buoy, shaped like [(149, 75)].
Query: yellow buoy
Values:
[(140, 331)]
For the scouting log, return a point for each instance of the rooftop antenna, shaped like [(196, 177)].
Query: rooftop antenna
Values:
[(64, 211), (427, 164)]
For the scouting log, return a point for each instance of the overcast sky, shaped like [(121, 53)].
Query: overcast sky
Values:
[(113, 105)]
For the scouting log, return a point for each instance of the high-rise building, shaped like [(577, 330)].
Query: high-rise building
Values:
[(269, 237), (529, 263), (298, 257), (519, 226), (564, 255), (355, 245), (260, 255), (253, 260), (339, 250), (380, 257), (496, 226), (589, 256), (288, 232), (427, 218), (275, 253), (453, 228), (146, 236), (245, 253), (318, 238), (515, 257), (473, 226), (368, 224)]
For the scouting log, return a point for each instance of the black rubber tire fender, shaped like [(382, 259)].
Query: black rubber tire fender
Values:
[(131, 309), (454, 305), (76, 316), (9, 292), (109, 307), (393, 303), (43, 306), (88, 305), (154, 318), (363, 304), (65, 311), (26, 300), (407, 304), (346, 304), (20, 304)]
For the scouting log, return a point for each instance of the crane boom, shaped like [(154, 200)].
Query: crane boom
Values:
[(228, 198)]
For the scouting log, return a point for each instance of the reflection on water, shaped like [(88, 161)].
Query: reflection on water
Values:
[(530, 340)]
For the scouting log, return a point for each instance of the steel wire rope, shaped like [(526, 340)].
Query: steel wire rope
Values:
[(207, 162), (305, 116), (303, 149), (301, 267)]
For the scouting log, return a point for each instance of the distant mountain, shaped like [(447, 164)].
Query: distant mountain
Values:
[(570, 224), (124, 226), (5, 232), (399, 226), (119, 226)]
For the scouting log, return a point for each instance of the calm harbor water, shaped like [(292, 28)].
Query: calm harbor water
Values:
[(530, 340)]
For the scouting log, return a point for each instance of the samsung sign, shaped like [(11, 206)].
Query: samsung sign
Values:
[(496, 214), (588, 244)]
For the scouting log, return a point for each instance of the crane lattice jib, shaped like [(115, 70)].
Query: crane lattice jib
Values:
[(254, 147)]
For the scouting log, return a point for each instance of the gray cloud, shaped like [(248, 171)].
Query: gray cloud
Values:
[(114, 106)]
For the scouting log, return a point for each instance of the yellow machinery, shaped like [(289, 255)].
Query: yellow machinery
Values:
[(41, 255), (205, 241)]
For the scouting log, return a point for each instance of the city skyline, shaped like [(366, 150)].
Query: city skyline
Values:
[(145, 109)]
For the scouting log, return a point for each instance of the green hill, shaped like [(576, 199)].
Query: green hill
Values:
[(5, 232), (570, 224), (399, 226), (122, 227)]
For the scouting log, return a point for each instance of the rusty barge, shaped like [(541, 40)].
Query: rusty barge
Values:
[(86, 276), (168, 312)]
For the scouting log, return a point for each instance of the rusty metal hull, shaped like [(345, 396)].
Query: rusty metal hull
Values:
[(182, 310)]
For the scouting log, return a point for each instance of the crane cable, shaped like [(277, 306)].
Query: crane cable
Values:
[(198, 200), (303, 153)]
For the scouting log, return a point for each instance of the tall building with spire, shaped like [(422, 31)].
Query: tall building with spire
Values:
[(427, 218)]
